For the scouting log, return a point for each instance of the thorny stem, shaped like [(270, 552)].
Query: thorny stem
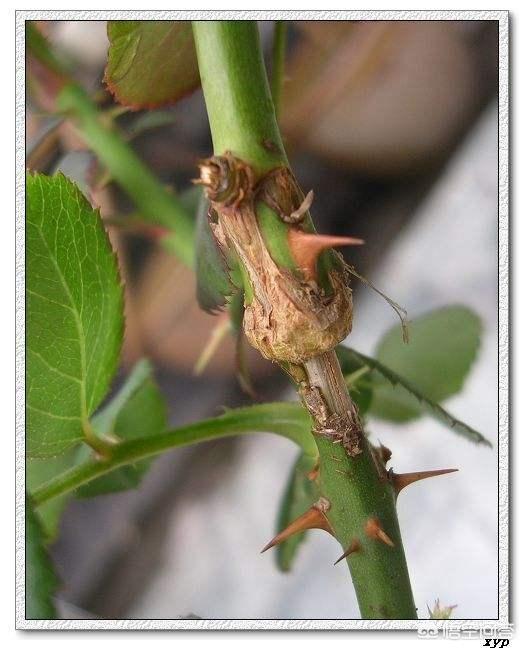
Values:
[(282, 319), (359, 489)]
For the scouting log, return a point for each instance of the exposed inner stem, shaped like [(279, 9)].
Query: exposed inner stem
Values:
[(293, 319), (324, 373)]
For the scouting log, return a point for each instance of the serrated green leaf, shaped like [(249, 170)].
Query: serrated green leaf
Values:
[(136, 411), (299, 496), (150, 62), (74, 313), (443, 345), (422, 401), (40, 580), (212, 273)]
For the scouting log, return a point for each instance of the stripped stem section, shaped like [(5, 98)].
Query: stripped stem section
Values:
[(298, 307), (326, 395)]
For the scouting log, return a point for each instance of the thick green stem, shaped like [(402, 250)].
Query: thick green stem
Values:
[(285, 419), (154, 202), (351, 478), (360, 491), (379, 571), (236, 89)]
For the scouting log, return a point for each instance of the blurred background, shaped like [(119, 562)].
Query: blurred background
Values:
[(394, 125)]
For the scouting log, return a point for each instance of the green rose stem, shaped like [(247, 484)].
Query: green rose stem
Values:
[(357, 501)]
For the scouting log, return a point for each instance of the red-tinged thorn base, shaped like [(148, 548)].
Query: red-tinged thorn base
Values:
[(373, 529), (306, 247), (354, 547)]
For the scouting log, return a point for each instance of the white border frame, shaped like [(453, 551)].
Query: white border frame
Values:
[(425, 627)]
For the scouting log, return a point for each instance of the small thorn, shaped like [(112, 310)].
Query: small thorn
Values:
[(385, 453), (374, 530), (354, 547), (306, 247), (400, 481), (312, 518)]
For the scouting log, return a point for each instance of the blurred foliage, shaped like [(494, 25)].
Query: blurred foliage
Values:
[(150, 62)]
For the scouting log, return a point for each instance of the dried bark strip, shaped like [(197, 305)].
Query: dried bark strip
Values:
[(290, 319)]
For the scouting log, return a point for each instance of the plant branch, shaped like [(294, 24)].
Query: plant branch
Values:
[(287, 317), (154, 202), (289, 420), (233, 74), (359, 490)]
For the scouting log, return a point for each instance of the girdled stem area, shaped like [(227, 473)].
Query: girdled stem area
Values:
[(326, 396), (296, 316)]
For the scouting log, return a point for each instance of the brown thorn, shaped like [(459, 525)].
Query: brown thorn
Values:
[(374, 530), (306, 247), (312, 518), (400, 481), (354, 547)]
